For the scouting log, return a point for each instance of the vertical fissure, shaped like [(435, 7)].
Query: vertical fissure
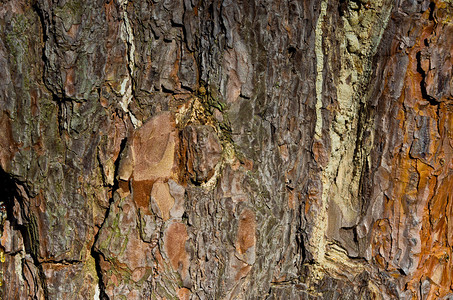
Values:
[(97, 256), (27, 227)]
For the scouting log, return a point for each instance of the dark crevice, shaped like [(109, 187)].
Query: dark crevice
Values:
[(97, 259), (360, 158), (116, 166), (43, 16), (301, 245), (365, 186), (10, 193), (176, 25), (97, 256), (117, 162), (44, 37), (353, 230), (424, 92), (269, 293), (61, 117), (291, 51), (401, 271), (62, 262), (94, 253), (342, 7), (165, 90), (432, 7), (195, 182)]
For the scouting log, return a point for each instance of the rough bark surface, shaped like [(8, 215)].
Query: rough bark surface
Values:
[(226, 149)]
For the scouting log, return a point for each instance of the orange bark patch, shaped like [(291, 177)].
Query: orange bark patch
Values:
[(242, 271), (417, 216), (7, 144), (175, 242), (161, 195), (138, 274), (141, 192), (134, 254), (124, 186), (320, 153), (154, 148), (133, 295), (6, 240), (246, 231), (73, 30), (183, 294), (69, 85), (291, 200)]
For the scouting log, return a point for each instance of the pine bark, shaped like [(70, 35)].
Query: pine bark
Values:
[(226, 149)]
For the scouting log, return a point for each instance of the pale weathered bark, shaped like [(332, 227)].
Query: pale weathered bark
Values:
[(226, 149)]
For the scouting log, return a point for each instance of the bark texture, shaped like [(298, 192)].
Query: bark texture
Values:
[(226, 149)]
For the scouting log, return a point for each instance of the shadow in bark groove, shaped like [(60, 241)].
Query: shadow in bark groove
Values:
[(9, 193), (95, 254)]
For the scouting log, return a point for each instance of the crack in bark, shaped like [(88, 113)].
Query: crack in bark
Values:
[(425, 95), (66, 262), (96, 254), (44, 37), (97, 257), (9, 192)]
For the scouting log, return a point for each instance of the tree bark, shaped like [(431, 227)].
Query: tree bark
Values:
[(226, 149)]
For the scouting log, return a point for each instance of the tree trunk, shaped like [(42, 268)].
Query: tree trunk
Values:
[(226, 149)]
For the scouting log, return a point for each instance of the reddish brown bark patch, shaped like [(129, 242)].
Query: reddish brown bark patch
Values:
[(320, 153), (183, 294), (8, 146), (153, 148), (124, 186), (246, 231), (161, 197), (175, 241), (141, 193), (70, 82), (242, 270)]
